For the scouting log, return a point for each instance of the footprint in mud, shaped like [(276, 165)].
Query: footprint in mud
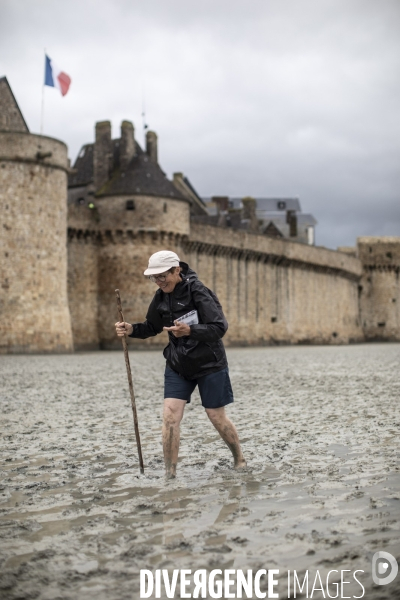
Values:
[(223, 463)]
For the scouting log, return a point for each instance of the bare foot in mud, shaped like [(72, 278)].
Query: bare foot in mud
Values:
[(240, 465), (170, 475)]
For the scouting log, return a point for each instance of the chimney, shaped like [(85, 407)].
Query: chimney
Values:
[(178, 177), (127, 144), (249, 212), (102, 159), (151, 145), (222, 203), (291, 219)]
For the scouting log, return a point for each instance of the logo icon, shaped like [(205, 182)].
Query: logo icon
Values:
[(384, 568)]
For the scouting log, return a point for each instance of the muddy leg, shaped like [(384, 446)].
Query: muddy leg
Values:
[(227, 431), (173, 412)]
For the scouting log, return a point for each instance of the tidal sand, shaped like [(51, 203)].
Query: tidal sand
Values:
[(320, 431)]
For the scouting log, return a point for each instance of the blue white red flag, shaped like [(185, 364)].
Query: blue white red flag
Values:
[(55, 77)]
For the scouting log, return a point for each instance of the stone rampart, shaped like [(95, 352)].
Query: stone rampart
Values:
[(272, 291), (275, 291)]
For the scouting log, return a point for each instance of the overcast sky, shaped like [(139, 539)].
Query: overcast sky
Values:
[(295, 98)]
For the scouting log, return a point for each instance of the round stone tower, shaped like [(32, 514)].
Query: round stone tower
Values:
[(33, 250)]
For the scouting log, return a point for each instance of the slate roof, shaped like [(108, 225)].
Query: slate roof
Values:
[(142, 176), (271, 230), (11, 117), (233, 220), (271, 204), (84, 167), (190, 186), (280, 217)]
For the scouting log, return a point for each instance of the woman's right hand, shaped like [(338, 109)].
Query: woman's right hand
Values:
[(123, 328)]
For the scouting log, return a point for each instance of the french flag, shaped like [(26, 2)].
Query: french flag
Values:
[(54, 77)]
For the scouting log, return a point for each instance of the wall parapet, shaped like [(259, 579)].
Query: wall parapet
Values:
[(118, 236), (251, 246), (379, 252), (34, 149)]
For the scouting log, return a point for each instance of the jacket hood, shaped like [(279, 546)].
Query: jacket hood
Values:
[(187, 273), (188, 276)]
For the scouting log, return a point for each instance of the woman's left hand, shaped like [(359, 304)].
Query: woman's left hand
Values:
[(179, 329)]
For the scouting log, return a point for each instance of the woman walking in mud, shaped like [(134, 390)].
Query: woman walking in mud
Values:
[(193, 317)]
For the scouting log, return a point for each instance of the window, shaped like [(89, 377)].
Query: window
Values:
[(165, 207), (130, 205)]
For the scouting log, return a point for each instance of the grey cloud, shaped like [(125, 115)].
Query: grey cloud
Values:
[(258, 98)]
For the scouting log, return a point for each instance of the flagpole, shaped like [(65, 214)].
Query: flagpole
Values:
[(42, 113), (144, 113)]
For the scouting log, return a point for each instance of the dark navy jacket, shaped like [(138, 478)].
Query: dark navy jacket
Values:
[(203, 351)]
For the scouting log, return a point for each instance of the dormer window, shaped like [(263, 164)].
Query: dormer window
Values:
[(281, 205)]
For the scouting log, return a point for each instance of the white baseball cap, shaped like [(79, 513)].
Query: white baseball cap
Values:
[(161, 262)]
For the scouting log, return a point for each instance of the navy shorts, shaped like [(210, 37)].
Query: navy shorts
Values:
[(215, 389)]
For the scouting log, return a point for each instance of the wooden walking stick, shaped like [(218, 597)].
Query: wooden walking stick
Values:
[(128, 370)]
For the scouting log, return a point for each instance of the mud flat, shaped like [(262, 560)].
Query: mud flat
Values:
[(320, 431)]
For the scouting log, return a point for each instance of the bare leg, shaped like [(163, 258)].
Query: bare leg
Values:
[(227, 431), (173, 413)]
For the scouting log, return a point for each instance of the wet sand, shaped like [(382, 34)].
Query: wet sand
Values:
[(320, 431)]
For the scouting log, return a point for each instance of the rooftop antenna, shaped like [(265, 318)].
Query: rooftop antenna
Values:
[(145, 126)]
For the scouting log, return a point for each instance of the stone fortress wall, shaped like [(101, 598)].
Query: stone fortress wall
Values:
[(121, 209)]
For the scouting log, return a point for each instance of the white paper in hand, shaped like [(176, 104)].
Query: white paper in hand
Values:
[(191, 318)]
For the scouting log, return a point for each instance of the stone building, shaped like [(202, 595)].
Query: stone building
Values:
[(273, 217), (121, 209)]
